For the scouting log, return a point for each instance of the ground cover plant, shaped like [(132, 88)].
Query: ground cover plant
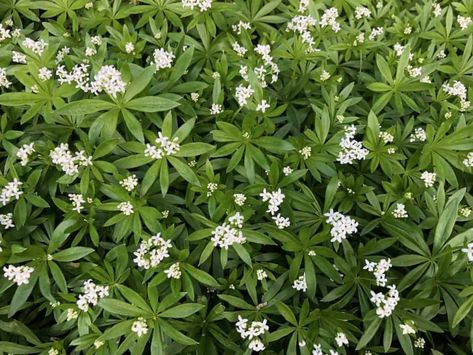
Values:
[(228, 177)]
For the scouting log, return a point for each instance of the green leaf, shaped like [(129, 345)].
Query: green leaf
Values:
[(462, 312), (447, 220), (184, 170), (200, 275), (369, 333), (133, 125), (18, 99), (286, 312), (151, 104), (181, 65), (273, 144), (72, 254), (182, 310), (176, 335), (119, 307), (84, 107), (139, 83), (21, 294), (9, 347), (60, 235), (194, 149)]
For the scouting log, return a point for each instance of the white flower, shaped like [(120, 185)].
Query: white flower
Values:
[(45, 74), (262, 106), (386, 137), (376, 32), (90, 52), (436, 9), (317, 350), (173, 272), (36, 47), (341, 339), (469, 251), (256, 345), (463, 21), (361, 12), (151, 252), (379, 270), (302, 25), (53, 351), (216, 109), (457, 89), (97, 40), (126, 208), (18, 274), (18, 57), (428, 178), (10, 191), (419, 135), (342, 226), (240, 26), (211, 187), (108, 79), (24, 152), (4, 82), (239, 199), (98, 343), (61, 155), (325, 75), (166, 147), (240, 50), (419, 343), (351, 148), (306, 152), (275, 199), (407, 329), (203, 5), (6, 220), (140, 327), (130, 182), (281, 222), (89, 5), (300, 284), (400, 211), (4, 33), (71, 314), (261, 274), (162, 59), (465, 211), (129, 47), (228, 234), (287, 170), (77, 201), (329, 19), (92, 294), (195, 96), (385, 303)]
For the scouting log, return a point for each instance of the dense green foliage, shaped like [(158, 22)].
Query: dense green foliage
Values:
[(218, 177)]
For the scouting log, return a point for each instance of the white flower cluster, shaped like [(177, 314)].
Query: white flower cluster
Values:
[(419, 135), (152, 251), (414, 72), (71, 314), (376, 32), (162, 59), (428, 178), (243, 93), (419, 343), (24, 152), (36, 47), (261, 274), (173, 272), (4, 33), (379, 270), (45, 74), (211, 187), (264, 51), (463, 21), (302, 24), (19, 58), (241, 26), (262, 106), (240, 50), (140, 327), (468, 161), (252, 331), (216, 109), (108, 79), (385, 303), (341, 339), (130, 182), (18, 274), (126, 208), (10, 191), (239, 199), (275, 199), (351, 148), (342, 225), (329, 18), (468, 251), (92, 294), (287, 170), (229, 233), (6, 220), (465, 211), (77, 201), (165, 147), (61, 155), (300, 284), (400, 211), (129, 47), (61, 53), (407, 328), (361, 11), (306, 152), (203, 5), (4, 82), (436, 9), (281, 222), (386, 137), (459, 90)]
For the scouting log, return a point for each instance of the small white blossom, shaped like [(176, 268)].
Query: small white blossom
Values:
[(203, 5), (97, 40), (211, 187), (71, 314), (90, 52), (465, 212), (419, 135), (4, 82), (325, 75), (229, 233), (108, 79), (300, 284), (24, 152), (351, 149), (129, 47), (407, 329), (256, 345), (341, 339), (419, 343), (53, 351), (262, 106), (77, 201), (428, 178), (6, 220), (140, 327), (468, 251), (376, 32), (240, 50), (361, 12), (130, 182), (18, 274), (126, 208), (45, 74), (151, 252), (240, 26), (306, 152), (275, 199), (400, 211), (261, 274), (36, 47), (386, 137), (329, 18), (92, 294), (436, 9), (463, 21), (162, 59), (195, 96), (239, 199), (281, 222), (379, 270), (342, 226), (216, 109), (165, 147), (10, 191), (173, 272), (287, 170), (385, 303)]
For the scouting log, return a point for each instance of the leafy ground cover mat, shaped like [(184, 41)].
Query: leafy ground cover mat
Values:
[(233, 177)]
